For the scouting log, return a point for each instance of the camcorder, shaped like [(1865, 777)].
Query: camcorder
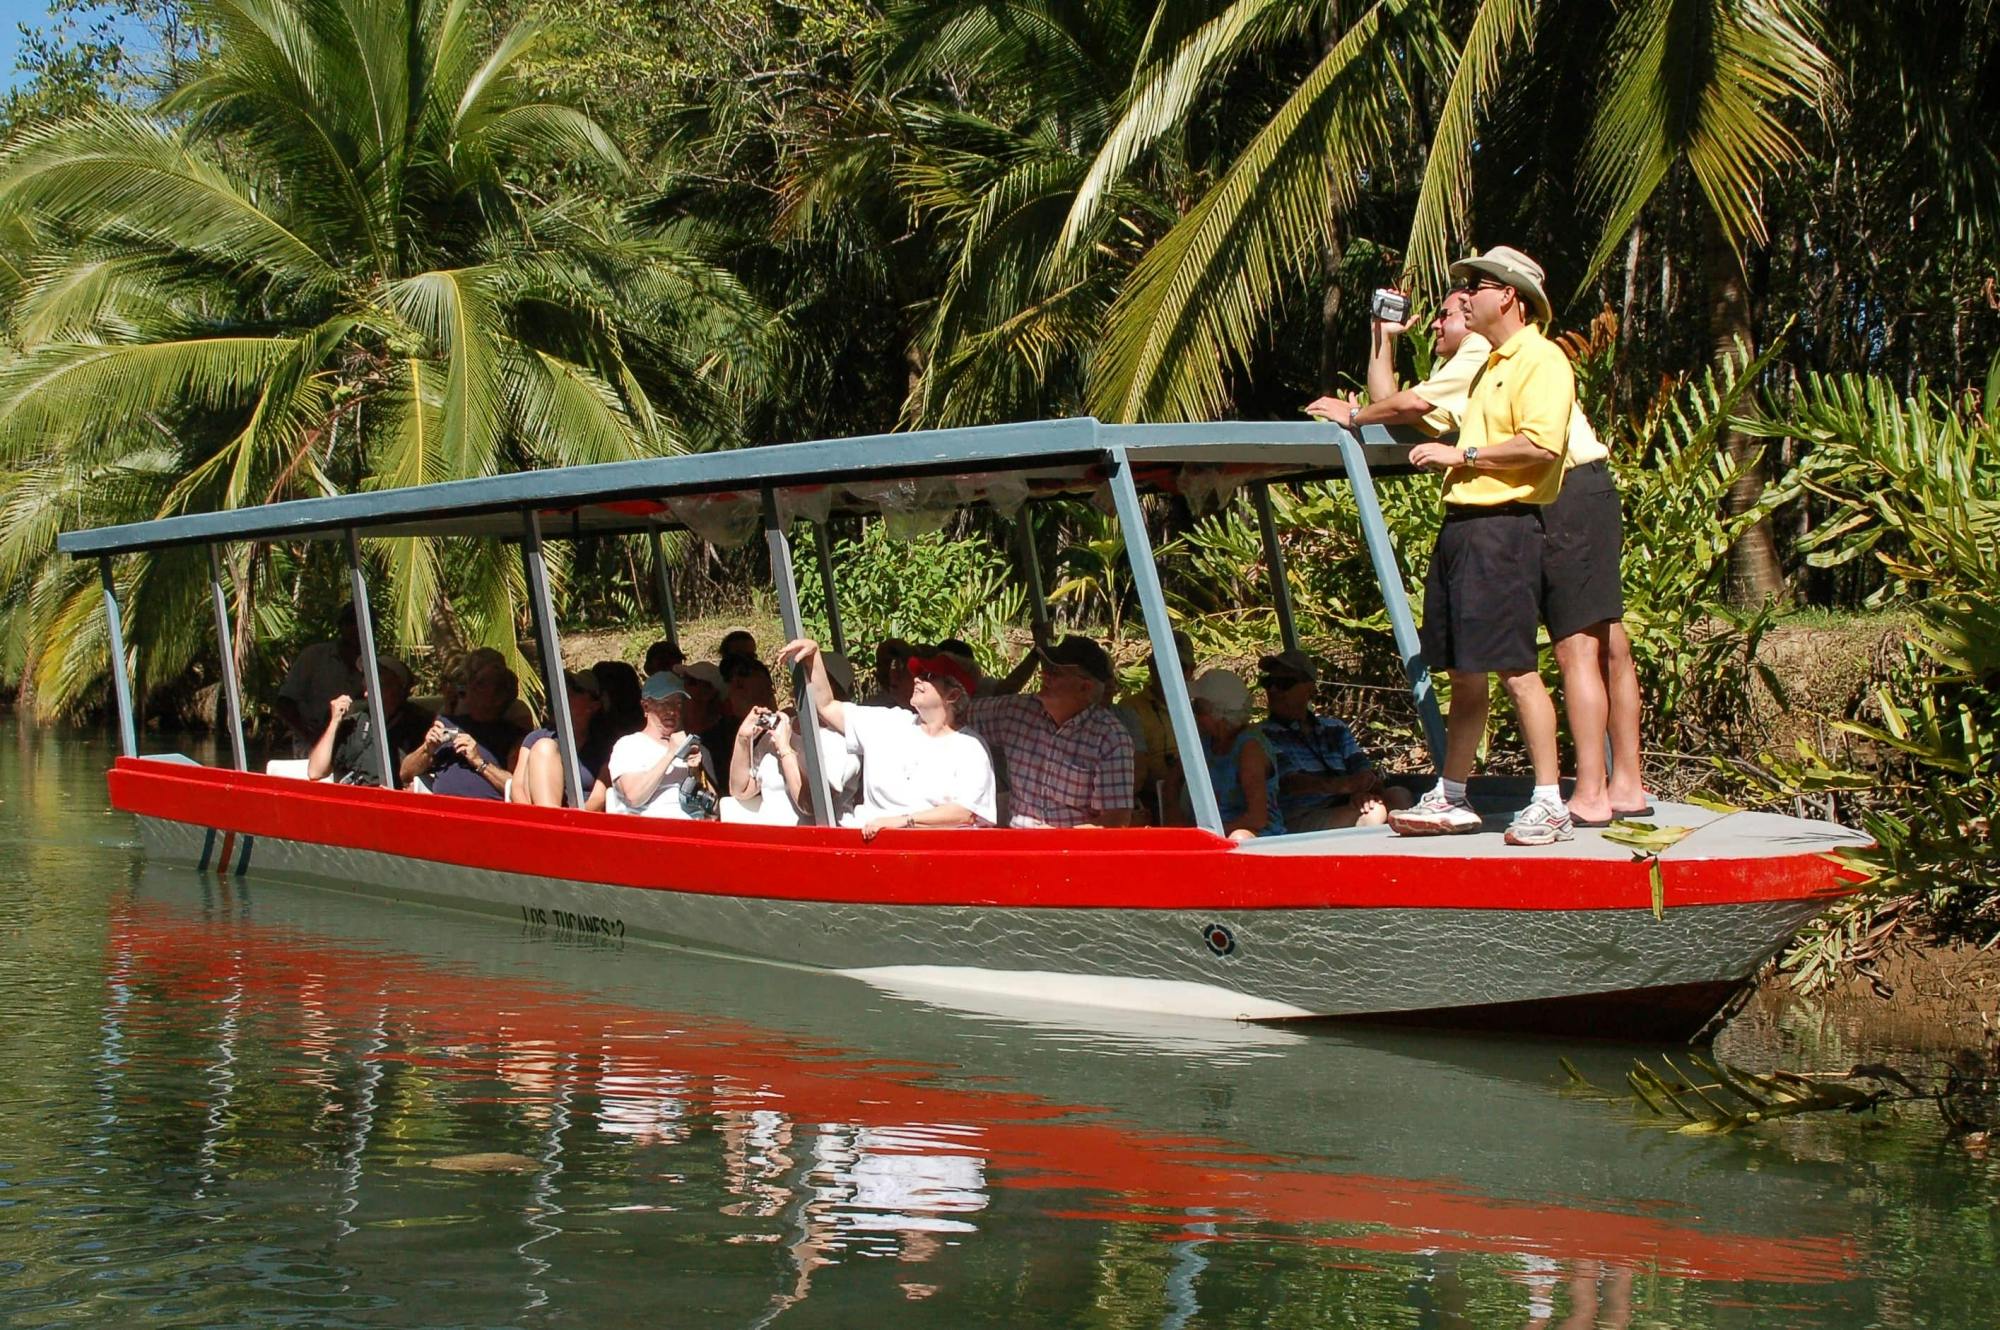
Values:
[(1389, 305)]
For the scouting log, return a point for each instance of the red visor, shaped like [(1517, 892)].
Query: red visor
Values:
[(949, 666)]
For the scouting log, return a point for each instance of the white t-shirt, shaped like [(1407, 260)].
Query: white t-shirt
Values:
[(318, 676), (843, 778), (640, 752), (904, 770)]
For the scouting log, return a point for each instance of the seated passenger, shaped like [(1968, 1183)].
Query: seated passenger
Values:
[(661, 771), (703, 708), (452, 688), (665, 657), (471, 754), (1240, 767), (892, 674), (767, 781), (960, 650), (1325, 780), (918, 768), (736, 642), (345, 750), (538, 771), (620, 714), (746, 686), (1068, 758), (1156, 755)]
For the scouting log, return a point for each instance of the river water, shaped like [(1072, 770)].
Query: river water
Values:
[(237, 1102)]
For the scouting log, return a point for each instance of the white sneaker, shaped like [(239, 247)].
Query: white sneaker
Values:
[(1541, 824), (1436, 814)]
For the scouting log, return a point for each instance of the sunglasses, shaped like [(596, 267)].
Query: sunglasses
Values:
[(1471, 284), (1277, 683)]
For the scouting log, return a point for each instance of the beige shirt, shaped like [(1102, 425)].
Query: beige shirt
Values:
[(1448, 389)]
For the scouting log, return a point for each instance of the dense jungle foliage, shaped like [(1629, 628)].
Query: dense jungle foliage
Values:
[(263, 249)]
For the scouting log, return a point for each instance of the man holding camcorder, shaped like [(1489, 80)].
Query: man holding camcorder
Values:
[(1482, 597)]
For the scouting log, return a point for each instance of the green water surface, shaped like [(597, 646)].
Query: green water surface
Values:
[(239, 1102)]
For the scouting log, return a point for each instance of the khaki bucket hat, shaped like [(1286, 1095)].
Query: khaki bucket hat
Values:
[(1504, 263)]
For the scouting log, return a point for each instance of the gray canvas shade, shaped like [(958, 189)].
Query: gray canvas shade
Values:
[(990, 463)]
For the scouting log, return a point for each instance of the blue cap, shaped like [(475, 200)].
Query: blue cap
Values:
[(661, 686)]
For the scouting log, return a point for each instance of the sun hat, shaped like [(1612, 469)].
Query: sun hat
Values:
[(707, 672), (583, 681), (391, 665), (1504, 263), (1293, 664), (1224, 693), (951, 667), (662, 686), (1080, 652)]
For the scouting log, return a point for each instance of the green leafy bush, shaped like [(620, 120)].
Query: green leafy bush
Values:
[(934, 586)]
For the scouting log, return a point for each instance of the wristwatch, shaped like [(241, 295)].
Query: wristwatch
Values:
[(1354, 417), (1471, 454)]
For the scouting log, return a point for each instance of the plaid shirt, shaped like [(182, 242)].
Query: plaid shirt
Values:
[(1317, 745), (1060, 775)]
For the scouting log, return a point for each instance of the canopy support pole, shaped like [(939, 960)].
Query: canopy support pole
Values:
[(1031, 568), (1153, 601), (807, 729), (1274, 560), (1389, 578), (232, 697), (664, 586), (825, 552), (121, 684), (555, 682), (371, 670)]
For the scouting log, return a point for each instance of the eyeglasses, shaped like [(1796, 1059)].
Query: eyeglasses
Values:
[(1278, 683)]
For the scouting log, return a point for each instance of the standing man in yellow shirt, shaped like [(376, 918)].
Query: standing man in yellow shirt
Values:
[(1582, 599), (1482, 597)]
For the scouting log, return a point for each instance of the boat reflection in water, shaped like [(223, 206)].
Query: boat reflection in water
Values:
[(648, 1124)]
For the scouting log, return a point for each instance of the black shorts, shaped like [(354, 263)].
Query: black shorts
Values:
[(1582, 543), (1480, 596)]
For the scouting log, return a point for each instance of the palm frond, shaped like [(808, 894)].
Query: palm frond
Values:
[(1707, 82), (1444, 201), (1197, 300)]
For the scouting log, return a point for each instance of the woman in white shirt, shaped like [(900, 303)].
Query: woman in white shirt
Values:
[(918, 768), (651, 771)]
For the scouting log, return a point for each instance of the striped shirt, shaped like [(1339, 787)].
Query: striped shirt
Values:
[(1061, 775)]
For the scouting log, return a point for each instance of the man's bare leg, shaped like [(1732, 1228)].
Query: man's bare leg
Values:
[(1626, 790), (1583, 657), (1538, 722), (1464, 724)]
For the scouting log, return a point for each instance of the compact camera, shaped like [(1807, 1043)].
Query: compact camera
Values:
[(768, 721), (1389, 305)]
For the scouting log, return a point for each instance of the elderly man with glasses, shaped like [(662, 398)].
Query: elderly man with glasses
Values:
[(1325, 778), (1069, 759)]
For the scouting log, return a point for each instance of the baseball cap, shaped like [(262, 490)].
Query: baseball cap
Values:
[(1294, 664), (663, 685), (1081, 652)]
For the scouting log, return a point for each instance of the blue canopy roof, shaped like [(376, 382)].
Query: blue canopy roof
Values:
[(1003, 465)]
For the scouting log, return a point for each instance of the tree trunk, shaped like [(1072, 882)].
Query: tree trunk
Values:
[(1330, 363), (1754, 574)]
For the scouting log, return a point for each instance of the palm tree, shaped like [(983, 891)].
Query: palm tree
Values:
[(352, 249)]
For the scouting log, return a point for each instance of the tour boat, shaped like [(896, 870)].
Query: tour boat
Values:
[(1589, 937)]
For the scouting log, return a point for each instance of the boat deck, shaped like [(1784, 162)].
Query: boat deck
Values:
[(1711, 835)]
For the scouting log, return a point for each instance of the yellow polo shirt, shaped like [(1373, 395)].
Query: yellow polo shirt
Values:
[(1526, 388), (1448, 389)]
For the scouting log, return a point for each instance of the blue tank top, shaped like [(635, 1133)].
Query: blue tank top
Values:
[(1225, 773)]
